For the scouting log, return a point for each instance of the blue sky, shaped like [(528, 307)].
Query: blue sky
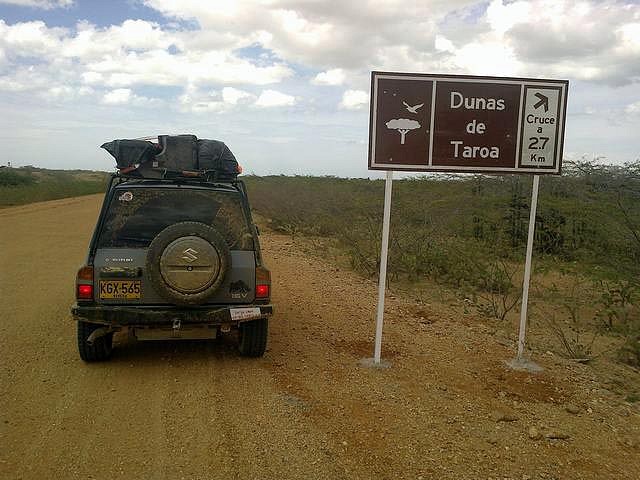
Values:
[(285, 83), (102, 13)]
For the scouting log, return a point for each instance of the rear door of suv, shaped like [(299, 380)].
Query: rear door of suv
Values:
[(137, 212)]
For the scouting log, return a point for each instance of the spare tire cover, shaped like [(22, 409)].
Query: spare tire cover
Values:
[(187, 262)]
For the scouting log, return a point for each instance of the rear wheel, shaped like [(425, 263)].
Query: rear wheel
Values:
[(101, 347), (253, 337)]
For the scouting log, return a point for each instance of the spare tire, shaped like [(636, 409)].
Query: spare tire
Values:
[(187, 262)]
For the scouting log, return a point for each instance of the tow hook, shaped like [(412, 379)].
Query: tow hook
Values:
[(100, 332), (176, 324)]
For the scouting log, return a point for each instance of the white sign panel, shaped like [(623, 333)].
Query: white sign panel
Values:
[(540, 127)]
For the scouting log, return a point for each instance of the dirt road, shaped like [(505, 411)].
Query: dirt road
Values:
[(447, 407)]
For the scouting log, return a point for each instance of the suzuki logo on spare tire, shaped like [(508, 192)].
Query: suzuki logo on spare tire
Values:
[(190, 255)]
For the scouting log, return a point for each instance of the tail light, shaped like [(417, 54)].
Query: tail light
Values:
[(85, 292), (262, 291), (263, 283), (84, 283)]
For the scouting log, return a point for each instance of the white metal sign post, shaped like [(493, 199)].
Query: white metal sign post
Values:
[(467, 124), (382, 282), (520, 361)]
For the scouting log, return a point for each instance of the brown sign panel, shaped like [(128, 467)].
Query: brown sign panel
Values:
[(403, 136), (457, 123)]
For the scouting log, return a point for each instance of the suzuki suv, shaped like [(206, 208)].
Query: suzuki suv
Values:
[(173, 259)]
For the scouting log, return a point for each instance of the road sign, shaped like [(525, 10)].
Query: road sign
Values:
[(455, 123)]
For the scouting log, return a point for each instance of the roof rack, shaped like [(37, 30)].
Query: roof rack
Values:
[(237, 184), (194, 175)]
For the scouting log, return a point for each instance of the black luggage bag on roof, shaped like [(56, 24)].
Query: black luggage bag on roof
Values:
[(131, 154), (214, 156), (175, 155), (179, 153)]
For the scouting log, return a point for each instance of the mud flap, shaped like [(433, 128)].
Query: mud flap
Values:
[(99, 332)]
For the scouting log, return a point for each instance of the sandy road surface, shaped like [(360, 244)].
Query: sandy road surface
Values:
[(446, 409)]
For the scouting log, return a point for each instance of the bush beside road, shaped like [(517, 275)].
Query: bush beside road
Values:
[(20, 186)]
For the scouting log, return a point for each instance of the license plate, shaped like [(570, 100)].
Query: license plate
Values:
[(245, 313), (120, 289)]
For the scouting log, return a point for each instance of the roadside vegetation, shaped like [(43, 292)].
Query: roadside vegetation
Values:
[(468, 233), (19, 186), (464, 233)]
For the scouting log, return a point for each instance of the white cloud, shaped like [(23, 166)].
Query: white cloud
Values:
[(140, 34), (503, 17), (633, 108), (38, 78), (587, 40), (85, 91), (120, 96), (135, 53), (316, 33), (59, 93), (93, 43), (31, 39), (214, 59), (233, 96), (159, 67), (305, 32), (13, 84), (443, 44), (591, 39), (629, 36), (354, 99), (335, 76), (487, 58), (125, 96), (92, 77), (44, 4), (197, 100), (273, 98)]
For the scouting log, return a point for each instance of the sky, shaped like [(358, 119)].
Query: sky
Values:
[(285, 83)]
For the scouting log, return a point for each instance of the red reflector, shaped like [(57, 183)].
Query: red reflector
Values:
[(262, 291), (85, 292)]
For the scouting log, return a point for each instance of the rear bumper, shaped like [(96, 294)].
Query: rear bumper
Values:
[(162, 315)]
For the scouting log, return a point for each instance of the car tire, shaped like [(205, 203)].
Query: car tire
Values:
[(100, 349), (218, 260), (253, 337)]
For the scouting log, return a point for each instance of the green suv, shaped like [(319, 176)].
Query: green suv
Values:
[(174, 258)]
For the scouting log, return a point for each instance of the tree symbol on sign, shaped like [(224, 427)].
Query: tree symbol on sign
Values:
[(403, 125)]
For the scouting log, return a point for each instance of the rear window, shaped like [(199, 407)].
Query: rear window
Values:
[(135, 216)]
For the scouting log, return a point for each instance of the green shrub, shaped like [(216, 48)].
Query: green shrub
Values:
[(10, 177), (27, 185)]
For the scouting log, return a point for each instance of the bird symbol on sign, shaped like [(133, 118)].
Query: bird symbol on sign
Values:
[(412, 109)]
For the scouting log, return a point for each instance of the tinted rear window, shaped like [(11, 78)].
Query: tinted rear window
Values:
[(136, 216)]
